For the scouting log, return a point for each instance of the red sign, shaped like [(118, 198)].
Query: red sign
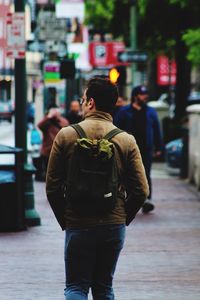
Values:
[(5, 63), (104, 54), (166, 71), (16, 35)]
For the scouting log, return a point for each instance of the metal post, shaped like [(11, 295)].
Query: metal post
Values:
[(20, 95), (32, 217), (69, 93), (133, 37)]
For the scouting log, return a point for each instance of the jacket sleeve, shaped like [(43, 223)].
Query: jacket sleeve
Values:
[(55, 179), (136, 182), (44, 123), (120, 119)]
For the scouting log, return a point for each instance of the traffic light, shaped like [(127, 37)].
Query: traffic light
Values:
[(118, 75), (114, 75), (67, 68)]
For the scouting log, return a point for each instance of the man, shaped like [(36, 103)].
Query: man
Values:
[(50, 125), (93, 243), (142, 122), (74, 114)]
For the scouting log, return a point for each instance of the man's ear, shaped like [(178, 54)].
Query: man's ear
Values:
[(91, 104)]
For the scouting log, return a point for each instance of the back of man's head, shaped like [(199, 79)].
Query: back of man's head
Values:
[(104, 93)]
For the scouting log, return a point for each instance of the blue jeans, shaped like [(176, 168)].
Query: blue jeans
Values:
[(91, 255)]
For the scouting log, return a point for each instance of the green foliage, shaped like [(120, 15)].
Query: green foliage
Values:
[(99, 13), (109, 16), (182, 3), (142, 5), (160, 22), (192, 40)]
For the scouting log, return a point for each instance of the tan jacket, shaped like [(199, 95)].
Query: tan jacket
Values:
[(133, 180)]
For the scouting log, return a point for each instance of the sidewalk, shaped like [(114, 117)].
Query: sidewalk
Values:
[(160, 260)]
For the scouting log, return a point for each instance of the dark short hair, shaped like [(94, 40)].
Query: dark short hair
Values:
[(104, 93)]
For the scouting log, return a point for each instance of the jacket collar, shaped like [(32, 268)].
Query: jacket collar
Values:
[(99, 115)]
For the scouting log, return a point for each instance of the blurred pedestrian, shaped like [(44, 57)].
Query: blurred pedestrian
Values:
[(49, 126), (93, 241), (121, 101), (142, 122), (74, 115), (30, 112)]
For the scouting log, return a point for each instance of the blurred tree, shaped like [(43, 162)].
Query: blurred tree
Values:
[(169, 26), (192, 40), (99, 14), (164, 26), (105, 16)]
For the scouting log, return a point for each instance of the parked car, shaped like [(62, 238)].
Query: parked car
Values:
[(194, 98), (173, 156), (6, 110)]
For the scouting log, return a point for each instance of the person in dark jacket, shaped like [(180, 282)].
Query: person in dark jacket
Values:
[(119, 104), (142, 122)]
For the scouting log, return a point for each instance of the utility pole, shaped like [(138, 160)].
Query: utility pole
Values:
[(31, 216), (20, 95), (133, 37)]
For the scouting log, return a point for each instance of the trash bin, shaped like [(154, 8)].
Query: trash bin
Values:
[(12, 206), (194, 144)]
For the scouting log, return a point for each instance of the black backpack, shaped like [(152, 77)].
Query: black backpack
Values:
[(92, 181)]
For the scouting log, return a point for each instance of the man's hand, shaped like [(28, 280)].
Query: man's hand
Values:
[(53, 113)]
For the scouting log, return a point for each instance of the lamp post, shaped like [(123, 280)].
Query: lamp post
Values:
[(20, 95), (31, 216), (133, 36)]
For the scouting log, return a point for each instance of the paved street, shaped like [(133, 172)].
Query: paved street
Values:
[(160, 260)]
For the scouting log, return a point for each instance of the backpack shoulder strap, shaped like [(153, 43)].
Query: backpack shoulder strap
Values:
[(112, 133), (108, 136), (79, 130)]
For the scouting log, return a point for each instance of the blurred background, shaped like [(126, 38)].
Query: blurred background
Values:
[(50, 48)]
